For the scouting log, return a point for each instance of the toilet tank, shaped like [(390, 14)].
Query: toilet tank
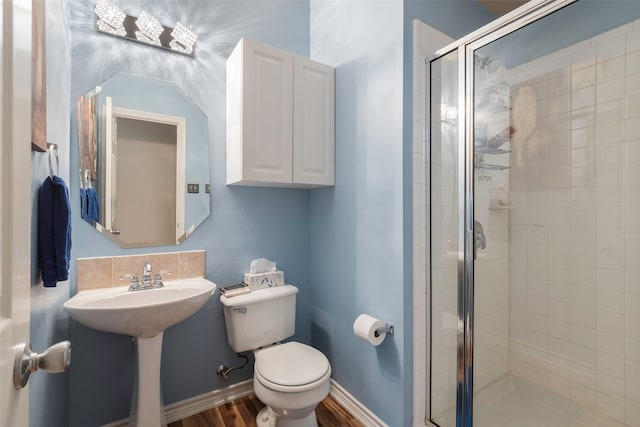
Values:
[(260, 317)]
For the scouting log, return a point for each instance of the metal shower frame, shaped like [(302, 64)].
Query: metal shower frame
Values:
[(465, 47)]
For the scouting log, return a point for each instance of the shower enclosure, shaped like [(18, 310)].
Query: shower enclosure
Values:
[(534, 220)]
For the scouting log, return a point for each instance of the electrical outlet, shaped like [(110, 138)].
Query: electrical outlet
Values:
[(193, 188), (207, 188)]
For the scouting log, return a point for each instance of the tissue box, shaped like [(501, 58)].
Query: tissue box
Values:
[(264, 280)]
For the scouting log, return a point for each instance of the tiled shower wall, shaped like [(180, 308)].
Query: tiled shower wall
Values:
[(575, 231)]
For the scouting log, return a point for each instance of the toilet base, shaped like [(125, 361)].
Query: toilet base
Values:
[(267, 418)]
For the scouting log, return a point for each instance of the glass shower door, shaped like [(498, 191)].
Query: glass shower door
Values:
[(556, 202), (534, 297), (443, 236)]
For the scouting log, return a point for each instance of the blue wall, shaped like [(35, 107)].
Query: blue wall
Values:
[(356, 228), (361, 229), (245, 223)]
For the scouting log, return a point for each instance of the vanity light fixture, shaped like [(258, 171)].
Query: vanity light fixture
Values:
[(149, 29), (112, 20), (183, 39)]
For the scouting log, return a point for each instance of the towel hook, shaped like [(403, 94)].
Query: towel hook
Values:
[(53, 149), (87, 179)]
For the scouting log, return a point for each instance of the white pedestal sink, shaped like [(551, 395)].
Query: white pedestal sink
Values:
[(144, 315)]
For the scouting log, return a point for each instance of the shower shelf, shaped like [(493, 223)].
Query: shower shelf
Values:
[(497, 206), (497, 109), (500, 199), (483, 149), (488, 166)]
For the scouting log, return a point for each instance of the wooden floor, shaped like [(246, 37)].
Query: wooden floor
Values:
[(242, 413)]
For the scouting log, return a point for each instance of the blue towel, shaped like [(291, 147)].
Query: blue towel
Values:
[(54, 231), (84, 212), (93, 206)]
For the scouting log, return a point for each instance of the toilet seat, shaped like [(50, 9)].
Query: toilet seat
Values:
[(291, 367)]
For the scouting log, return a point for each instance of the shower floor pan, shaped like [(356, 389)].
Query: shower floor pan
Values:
[(515, 402)]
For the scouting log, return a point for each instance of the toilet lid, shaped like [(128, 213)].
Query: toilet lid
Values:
[(291, 364)]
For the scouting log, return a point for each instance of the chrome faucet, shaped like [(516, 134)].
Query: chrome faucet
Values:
[(146, 283), (146, 275)]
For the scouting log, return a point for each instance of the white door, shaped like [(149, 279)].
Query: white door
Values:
[(111, 165), (15, 170)]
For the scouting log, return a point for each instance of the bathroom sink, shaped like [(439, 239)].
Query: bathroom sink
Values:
[(143, 313)]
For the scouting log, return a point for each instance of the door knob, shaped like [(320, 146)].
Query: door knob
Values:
[(55, 359)]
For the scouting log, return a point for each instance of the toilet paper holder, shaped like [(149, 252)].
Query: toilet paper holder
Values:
[(386, 329), (371, 329)]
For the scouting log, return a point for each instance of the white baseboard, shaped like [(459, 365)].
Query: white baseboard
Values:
[(194, 405), (186, 408), (357, 409)]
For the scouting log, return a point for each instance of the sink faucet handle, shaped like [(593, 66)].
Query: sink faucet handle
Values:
[(133, 284), (157, 281)]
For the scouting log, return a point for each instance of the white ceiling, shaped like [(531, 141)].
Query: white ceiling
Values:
[(500, 7)]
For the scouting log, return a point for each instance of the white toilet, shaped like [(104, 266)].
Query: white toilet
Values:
[(290, 378)]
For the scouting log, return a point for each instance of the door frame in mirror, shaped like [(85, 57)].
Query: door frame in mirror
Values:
[(112, 114)]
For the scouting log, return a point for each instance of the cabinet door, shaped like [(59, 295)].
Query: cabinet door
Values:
[(268, 115), (313, 123)]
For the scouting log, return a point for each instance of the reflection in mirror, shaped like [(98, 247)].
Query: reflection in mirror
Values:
[(148, 186), (133, 215)]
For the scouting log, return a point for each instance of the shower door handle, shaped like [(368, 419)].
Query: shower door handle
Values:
[(478, 237)]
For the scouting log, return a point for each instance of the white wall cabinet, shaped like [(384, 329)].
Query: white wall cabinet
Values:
[(280, 118)]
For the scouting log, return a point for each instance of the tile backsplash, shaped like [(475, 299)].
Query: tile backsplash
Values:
[(105, 272)]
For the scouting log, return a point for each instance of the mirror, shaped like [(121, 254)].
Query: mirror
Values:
[(143, 149)]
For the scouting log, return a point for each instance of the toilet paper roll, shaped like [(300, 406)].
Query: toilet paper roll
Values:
[(365, 327)]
